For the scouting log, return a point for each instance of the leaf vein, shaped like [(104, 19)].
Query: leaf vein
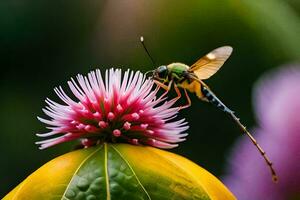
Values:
[(106, 172), (138, 180), (91, 154)]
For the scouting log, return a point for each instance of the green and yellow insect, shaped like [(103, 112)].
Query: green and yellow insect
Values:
[(190, 78)]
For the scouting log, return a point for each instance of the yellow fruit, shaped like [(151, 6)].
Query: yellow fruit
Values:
[(120, 171)]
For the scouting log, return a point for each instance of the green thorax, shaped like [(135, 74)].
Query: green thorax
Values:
[(177, 71)]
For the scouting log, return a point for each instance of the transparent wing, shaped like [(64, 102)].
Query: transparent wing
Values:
[(209, 64)]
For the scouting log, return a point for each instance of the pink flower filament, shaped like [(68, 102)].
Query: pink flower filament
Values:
[(116, 109)]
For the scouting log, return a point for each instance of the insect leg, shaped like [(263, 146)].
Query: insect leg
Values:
[(179, 95), (167, 88), (177, 92), (188, 100)]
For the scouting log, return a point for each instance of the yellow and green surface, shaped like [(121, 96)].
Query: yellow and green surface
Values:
[(44, 43), (120, 171)]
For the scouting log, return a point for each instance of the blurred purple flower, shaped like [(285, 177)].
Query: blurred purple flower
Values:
[(119, 108), (277, 105)]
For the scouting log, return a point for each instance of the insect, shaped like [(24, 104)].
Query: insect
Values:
[(190, 78)]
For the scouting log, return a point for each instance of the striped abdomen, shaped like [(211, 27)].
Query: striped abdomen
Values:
[(211, 97)]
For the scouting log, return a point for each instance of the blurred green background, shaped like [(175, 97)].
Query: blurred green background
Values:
[(44, 43)]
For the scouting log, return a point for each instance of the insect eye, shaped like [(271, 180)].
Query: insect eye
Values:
[(162, 71)]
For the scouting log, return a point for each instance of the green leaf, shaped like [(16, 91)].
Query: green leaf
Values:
[(120, 171), (90, 179)]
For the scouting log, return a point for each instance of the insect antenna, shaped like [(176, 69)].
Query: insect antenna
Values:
[(145, 48), (262, 152)]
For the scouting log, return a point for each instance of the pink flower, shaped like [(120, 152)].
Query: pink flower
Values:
[(116, 109), (277, 104)]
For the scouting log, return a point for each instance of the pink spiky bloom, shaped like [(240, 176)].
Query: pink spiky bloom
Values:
[(116, 109)]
